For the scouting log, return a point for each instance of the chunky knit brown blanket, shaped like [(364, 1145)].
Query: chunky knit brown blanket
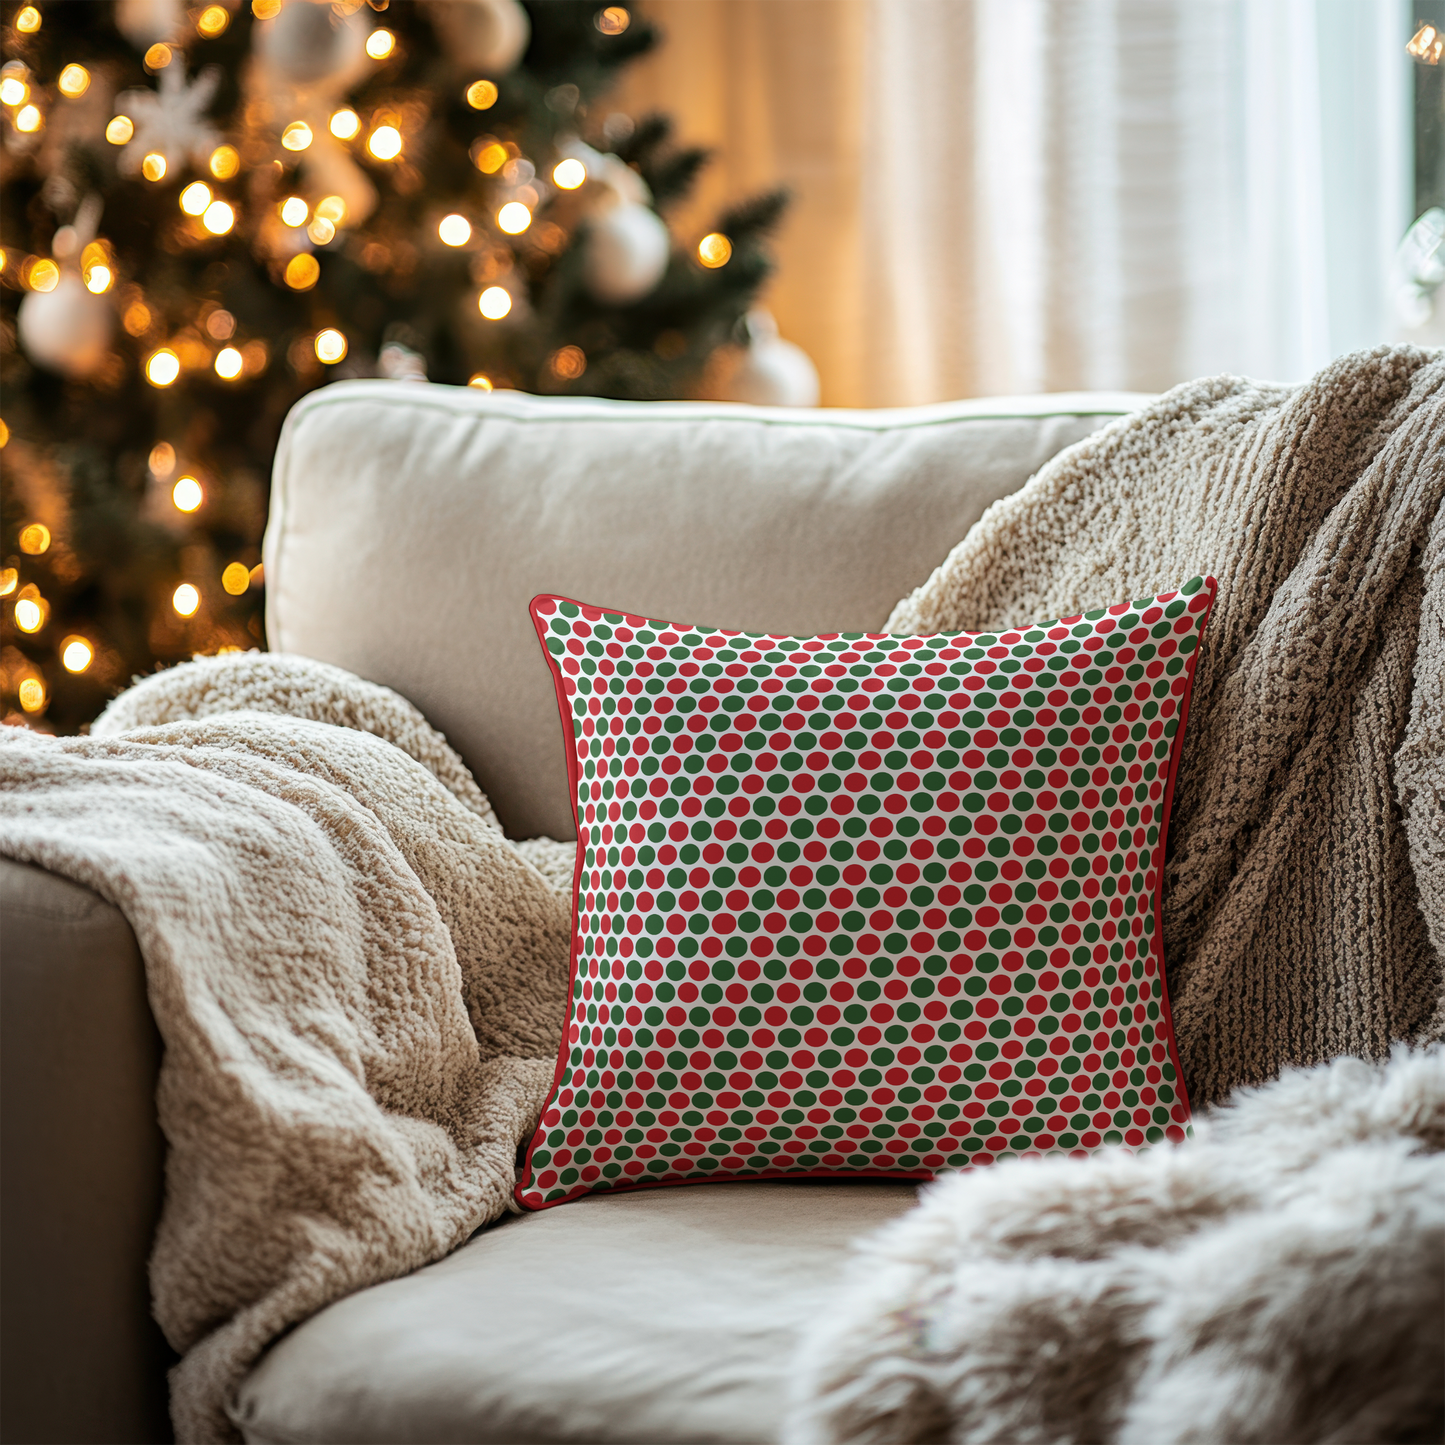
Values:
[(1305, 891)]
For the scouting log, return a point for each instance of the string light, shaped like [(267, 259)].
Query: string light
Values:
[(480, 380), (44, 275), (265, 9), (296, 136), (569, 174), (236, 578), (229, 363), (98, 280), (27, 22), (187, 494), (153, 167), (380, 43), (613, 20), (294, 211), (1427, 44), (34, 539), (13, 90), (495, 302), (29, 119), (225, 162), (568, 363), (9, 580), (163, 367), (74, 81), (120, 130), (213, 20), (481, 95), (455, 230), (384, 143), (514, 218), (185, 599), (491, 158), (714, 250), (31, 611), (76, 654), (195, 198), (303, 271), (330, 346), (321, 231), (31, 693), (345, 123), (157, 57), (219, 218), (4, 442), (162, 459)]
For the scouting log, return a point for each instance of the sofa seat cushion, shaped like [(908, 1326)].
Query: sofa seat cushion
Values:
[(650, 1318)]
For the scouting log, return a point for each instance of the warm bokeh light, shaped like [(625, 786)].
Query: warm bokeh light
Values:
[(330, 346), (13, 90), (294, 211), (4, 435), (266, 9), (9, 580), (455, 230), (195, 198), (221, 325), (158, 56), (73, 82), (1427, 44), (494, 302), (219, 218), (212, 21), (185, 599), (714, 250), (229, 363), (296, 136), (384, 143), (345, 123), (35, 539), (30, 614), (29, 119), (481, 95), (98, 280), (27, 22), (514, 218), (491, 158), (76, 654), (380, 43), (153, 167), (613, 20), (480, 380), (187, 494), (31, 693), (162, 459), (569, 174), (163, 367), (321, 231), (225, 162), (44, 275), (137, 319), (303, 271), (120, 130), (236, 578), (568, 363), (331, 208), (258, 575)]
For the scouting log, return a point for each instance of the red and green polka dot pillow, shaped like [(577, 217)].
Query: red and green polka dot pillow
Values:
[(862, 905)]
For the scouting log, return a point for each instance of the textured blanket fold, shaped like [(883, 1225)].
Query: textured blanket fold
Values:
[(358, 980), (1282, 1276)]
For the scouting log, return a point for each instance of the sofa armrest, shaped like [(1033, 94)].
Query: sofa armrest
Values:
[(80, 1357)]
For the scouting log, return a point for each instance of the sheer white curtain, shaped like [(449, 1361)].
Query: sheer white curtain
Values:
[(1025, 195)]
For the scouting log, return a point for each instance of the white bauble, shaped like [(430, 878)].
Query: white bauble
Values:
[(773, 372), (308, 44), (66, 330), (489, 36), (627, 251), (145, 22)]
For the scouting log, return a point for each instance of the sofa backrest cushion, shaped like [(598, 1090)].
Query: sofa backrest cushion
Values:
[(412, 524)]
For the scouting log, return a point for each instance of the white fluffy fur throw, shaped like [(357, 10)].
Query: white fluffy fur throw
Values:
[(360, 984), (1278, 1278)]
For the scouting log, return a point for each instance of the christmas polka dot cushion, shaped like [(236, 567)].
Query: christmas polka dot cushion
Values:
[(863, 905)]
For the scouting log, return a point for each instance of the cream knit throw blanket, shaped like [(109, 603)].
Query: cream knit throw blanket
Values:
[(1279, 1277), (359, 982)]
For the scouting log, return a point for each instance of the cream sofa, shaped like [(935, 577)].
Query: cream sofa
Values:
[(410, 525)]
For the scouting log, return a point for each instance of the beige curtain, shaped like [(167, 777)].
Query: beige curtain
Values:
[(1002, 196)]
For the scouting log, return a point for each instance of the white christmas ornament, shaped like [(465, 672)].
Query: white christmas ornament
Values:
[(489, 36), (145, 22), (627, 250), (66, 330), (308, 43), (170, 120), (773, 372)]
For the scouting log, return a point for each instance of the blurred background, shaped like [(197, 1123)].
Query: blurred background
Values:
[(209, 209)]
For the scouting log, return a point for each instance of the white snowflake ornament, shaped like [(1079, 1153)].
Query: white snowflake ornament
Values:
[(170, 121)]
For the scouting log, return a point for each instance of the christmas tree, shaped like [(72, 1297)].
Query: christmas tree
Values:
[(209, 210)]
